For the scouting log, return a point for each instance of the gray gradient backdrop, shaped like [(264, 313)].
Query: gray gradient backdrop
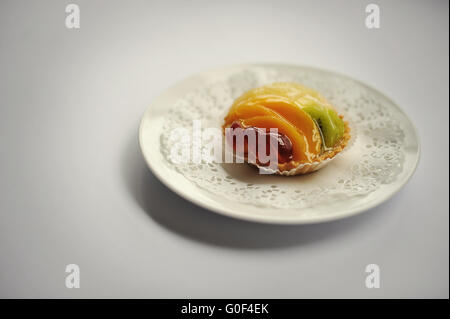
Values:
[(75, 189)]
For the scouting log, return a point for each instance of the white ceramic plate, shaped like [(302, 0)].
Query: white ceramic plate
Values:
[(383, 154)]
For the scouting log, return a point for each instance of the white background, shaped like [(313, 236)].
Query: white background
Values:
[(75, 189)]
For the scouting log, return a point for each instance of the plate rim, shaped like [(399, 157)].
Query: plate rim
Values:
[(294, 220)]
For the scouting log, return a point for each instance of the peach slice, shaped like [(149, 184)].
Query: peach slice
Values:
[(246, 111), (301, 151), (284, 108), (300, 119)]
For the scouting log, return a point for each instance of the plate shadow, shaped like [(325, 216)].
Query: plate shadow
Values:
[(191, 221)]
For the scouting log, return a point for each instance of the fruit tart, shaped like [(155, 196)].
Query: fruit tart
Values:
[(309, 131)]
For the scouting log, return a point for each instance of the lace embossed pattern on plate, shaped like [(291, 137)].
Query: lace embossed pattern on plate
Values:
[(375, 156)]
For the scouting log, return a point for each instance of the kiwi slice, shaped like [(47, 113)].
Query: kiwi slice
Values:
[(330, 124)]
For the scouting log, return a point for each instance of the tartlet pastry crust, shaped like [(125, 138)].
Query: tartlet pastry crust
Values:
[(282, 105)]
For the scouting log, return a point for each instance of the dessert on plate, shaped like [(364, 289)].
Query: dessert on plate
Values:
[(309, 130)]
